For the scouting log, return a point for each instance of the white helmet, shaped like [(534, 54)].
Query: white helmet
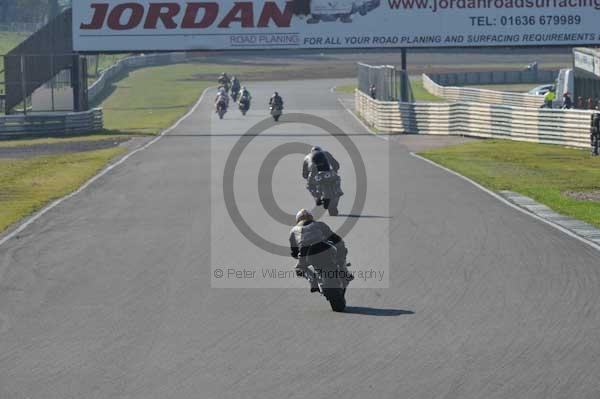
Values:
[(303, 214)]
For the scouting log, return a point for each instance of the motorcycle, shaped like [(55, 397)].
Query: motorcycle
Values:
[(328, 190), (221, 109), (225, 85), (325, 268), (234, 94), (244, 105), (276, 111)]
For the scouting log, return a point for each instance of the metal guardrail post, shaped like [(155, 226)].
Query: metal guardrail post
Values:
[(595, 134), (404, 81), (23, 84)]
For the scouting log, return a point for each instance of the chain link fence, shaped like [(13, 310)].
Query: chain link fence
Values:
[(45, 80), (384, 82)]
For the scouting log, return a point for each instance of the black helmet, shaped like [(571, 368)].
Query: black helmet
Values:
[(316, 149), (275, 94)]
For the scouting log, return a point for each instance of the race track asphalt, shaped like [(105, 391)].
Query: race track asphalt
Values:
[(112, 294)]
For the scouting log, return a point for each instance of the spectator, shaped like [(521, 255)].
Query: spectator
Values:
[(580, 104), (591, 104), (598, 105), (567, 102), (549, 98), (373, 92)]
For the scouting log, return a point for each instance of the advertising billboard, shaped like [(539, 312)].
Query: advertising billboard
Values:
[(145, 25), (584, 61)]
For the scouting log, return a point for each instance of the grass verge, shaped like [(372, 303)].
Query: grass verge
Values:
[(28, 184), (542, 172), (10, 40), (151, 99), (26, 142), (144, 102), (346, 89), (421, 94)]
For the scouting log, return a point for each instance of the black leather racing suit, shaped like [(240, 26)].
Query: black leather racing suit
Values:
[(310, 233), (319, 161), (276, 101)]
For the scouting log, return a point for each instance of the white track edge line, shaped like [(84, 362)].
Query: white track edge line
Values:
[(507, 202), (31, 219), (493, 194)]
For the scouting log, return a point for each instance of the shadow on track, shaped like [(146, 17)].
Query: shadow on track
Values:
[(376, 311), (351, 215)]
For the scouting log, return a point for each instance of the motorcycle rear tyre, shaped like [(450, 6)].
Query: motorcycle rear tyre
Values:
[(336, 299)]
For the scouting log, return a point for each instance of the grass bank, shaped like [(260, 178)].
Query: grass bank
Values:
[(543, 172), (26, 185), (144, 102), (149, 100), (417, 87), (8, 41), (100, 136)]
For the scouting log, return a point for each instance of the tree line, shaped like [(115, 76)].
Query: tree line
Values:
[(34, 11)]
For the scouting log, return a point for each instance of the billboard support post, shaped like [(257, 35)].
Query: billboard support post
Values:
[(23, 84), (79, 83), (404, 79)]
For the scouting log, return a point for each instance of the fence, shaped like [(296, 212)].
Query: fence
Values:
[(44, 80), (469, 94), (549, 126), (140, 61), (75, 122), (55, 123), (494, 77), (21, 27), (386, 80)]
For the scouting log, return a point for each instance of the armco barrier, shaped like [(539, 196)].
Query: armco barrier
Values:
[(470, 94), (494, 77), (549, 126), (133, 62), (54, 123)]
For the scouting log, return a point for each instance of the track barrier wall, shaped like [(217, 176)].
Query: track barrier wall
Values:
[(548, 126), (471, 94)]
